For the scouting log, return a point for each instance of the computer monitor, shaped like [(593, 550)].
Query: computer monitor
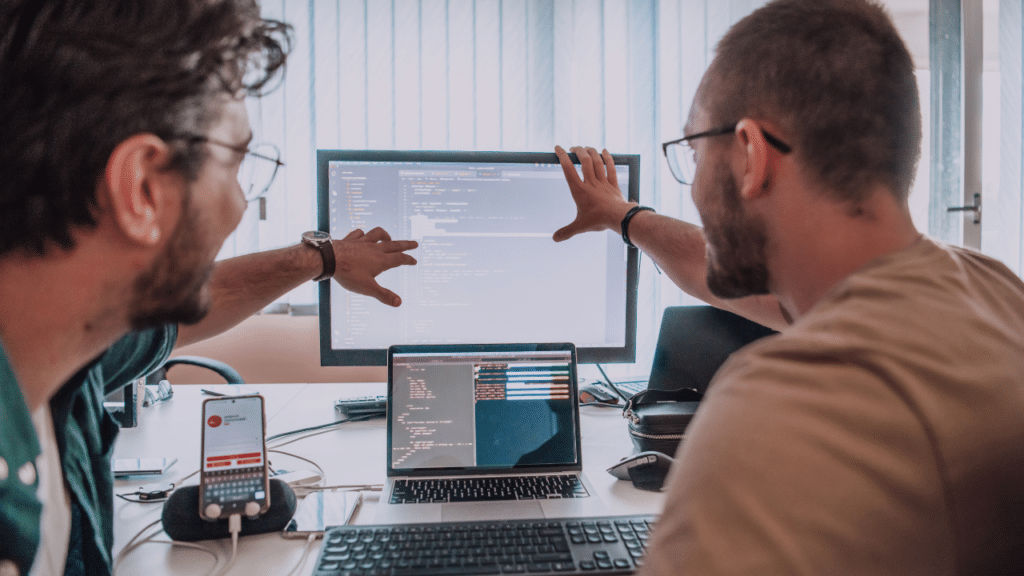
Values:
[(488, 271)]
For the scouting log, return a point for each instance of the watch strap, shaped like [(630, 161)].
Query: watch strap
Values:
[(327, 252)]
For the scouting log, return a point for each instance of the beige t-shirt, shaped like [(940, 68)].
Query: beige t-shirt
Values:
[(883, 433)]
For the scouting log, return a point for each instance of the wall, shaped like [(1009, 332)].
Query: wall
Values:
[(271, 348)]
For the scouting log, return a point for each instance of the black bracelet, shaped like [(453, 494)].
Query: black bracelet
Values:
[(625, 222)]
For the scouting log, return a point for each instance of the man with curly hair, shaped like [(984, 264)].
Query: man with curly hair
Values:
[(124, 127)]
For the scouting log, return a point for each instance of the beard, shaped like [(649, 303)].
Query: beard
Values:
[(737, 243), (174, 289)]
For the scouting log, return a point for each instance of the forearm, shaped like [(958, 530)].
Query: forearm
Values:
[(244, 285), (678, 248)]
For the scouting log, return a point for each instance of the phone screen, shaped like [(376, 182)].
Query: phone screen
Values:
[(234, 459), (320, 510)]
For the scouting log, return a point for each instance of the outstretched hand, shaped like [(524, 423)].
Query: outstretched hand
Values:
[(361, 257), (599, 201)]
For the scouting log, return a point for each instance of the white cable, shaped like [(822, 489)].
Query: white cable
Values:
[(132, 544), (234, 526), (323, 475), (305, 554), (179, 482), (325, 431), (216, 556), (350, 487)]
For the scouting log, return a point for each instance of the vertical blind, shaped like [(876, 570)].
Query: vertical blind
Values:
[(519, 75), (513, 75)]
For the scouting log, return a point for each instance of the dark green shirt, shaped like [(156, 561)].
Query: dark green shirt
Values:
[(85, 435)]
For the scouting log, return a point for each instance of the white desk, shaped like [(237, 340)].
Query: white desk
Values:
[(351, 454)]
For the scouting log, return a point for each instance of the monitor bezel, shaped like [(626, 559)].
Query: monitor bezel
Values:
[(378, 356)]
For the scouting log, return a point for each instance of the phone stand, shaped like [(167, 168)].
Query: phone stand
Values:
[(181, 519)]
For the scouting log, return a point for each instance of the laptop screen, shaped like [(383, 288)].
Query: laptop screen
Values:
[(477, 408)]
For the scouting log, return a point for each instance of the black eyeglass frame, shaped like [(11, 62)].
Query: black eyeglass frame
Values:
[(773, 141), (197, 138)]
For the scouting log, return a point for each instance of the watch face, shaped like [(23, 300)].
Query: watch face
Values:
[(316, 236)]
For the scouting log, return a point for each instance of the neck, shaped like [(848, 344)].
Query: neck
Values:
[(823, 242), (57, 314)]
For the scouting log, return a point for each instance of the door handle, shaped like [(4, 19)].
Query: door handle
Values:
[(976, 208)]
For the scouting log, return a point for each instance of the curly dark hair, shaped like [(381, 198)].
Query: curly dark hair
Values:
[(838, 78), (77, 77)]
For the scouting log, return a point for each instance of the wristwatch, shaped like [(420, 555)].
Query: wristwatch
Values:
[(322, 242)]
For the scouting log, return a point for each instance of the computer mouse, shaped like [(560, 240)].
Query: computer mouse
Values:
[(647, 470), (591, 393)]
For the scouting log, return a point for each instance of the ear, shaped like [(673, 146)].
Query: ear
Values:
[(753, 160), (136, 188)]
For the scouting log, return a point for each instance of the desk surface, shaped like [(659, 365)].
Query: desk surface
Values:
[(351, 454)]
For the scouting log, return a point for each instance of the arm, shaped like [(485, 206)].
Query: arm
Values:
[(242, 286), (677, 247)]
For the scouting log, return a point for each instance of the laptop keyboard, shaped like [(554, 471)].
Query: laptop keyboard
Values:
[(606, 545), (486, 489)]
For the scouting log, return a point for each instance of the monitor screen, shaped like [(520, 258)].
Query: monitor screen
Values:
[(488, 270)]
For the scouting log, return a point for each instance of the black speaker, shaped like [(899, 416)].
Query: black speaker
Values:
[(182, 522)]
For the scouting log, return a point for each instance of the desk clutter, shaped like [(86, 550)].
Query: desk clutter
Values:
[(604, 545), (541, 543)]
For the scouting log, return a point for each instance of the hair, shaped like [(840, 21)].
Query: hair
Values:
[(78, 77), (837, 77)]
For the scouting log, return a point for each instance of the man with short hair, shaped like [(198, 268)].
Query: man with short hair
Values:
[(882, 432), (124, 130)]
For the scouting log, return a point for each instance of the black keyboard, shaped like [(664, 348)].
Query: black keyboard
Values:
[(606, 545), (487, 488)]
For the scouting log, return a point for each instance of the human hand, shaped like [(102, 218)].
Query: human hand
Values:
[(599, 202), (361, 257)]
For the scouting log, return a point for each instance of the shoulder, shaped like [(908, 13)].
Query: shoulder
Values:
[(19, 506), (136, 354)]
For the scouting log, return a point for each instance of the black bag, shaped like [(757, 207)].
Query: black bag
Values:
[(658, 418)]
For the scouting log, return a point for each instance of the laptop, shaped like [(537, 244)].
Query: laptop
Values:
[(694, 342), (484, 432)]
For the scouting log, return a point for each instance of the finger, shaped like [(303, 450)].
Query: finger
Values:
[(568, 167), (357, 233), (387, 297), (378, 234), (401, 245), (609, 164), (597, 163), (565, 232), (586, 164), (400, 259)]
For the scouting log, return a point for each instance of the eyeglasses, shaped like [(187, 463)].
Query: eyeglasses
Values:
[(259, 166), (682, 159)]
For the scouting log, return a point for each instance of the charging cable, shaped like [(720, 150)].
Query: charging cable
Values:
[(305, 554), (234, 527), (135, 542)]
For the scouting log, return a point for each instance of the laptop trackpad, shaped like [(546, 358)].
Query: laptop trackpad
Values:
[(490, 511)]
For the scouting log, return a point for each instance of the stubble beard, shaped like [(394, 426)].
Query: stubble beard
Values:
[(174, 289), (737, 263)]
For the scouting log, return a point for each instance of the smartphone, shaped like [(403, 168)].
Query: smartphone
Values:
[(124, 467), (233, 473), (320, 510)]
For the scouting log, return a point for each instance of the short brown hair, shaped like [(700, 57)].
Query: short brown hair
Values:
[(837, 77)]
